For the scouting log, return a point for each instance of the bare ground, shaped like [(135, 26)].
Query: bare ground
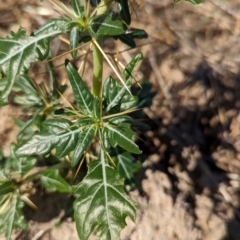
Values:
[(190, 180)]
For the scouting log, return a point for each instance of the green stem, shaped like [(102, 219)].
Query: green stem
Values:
[(53, 81), (97, 69), (102, 8)]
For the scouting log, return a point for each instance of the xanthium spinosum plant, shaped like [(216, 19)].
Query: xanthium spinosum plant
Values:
[(97, 128)]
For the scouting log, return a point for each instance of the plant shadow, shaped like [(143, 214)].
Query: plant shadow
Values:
[(198, 139)]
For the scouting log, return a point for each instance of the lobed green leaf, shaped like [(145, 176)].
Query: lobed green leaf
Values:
[(57, 133), (131, 65), (82, 95), (127, 39), (115, 95), (102, 204), (26, 128), (106, 25), (66, 133), (19, 51), (78, 7), (85, 138), (126, 165), (128, 102), (20, 165), (3, 175), (124, 11), (120, 119), (53, 181), (11, 216), (30, 96), (113, 92), (74, 40), (120, 135), (6, 188)]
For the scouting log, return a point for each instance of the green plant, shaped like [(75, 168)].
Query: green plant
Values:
[(96, 128)]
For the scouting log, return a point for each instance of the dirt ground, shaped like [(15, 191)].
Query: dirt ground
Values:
[(190, 180)]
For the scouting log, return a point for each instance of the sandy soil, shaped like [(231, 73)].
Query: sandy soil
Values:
[(190, 180)]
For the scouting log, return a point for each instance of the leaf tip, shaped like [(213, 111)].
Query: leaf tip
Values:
[(67, 61)]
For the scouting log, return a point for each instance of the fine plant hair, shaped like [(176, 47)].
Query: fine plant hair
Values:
[(95, 129)]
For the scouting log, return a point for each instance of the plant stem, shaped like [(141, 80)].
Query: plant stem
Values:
[(102, 8), (53, 81), (97, 69)]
